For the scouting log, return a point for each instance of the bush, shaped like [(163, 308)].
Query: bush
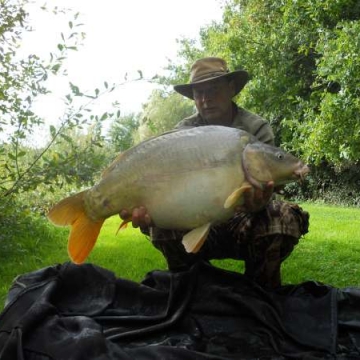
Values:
[(330, 185)]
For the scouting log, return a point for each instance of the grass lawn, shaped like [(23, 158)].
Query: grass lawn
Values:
[(329, 253)]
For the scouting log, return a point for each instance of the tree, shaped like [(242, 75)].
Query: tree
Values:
[(22, 81), (304, 60), (333, 133), (121, 133), (162, 112)]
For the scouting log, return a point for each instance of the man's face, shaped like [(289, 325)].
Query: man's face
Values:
[(213, 100)]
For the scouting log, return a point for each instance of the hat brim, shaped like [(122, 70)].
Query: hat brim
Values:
[(240, 78)]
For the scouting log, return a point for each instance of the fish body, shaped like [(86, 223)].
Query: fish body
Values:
[(189, 179)]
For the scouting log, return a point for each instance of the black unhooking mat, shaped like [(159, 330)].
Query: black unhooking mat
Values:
[(84, 312)]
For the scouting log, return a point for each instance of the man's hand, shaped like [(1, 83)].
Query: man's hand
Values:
[(139, 217), (256, 199)]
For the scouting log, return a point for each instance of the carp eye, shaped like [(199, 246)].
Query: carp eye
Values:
[(280, 156)]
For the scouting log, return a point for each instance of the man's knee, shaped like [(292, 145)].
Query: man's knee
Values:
[(278, 218)]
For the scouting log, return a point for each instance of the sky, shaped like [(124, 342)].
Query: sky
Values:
[(122, 37)]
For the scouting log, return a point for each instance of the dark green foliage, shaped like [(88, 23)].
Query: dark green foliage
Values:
[(18, 223), (304, 59), (27, 242), (330, 185), (304, 62)]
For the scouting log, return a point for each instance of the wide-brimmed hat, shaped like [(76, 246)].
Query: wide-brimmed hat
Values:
[(210, 69)]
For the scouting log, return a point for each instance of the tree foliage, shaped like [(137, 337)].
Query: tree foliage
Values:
[(304, 59), (69, 155), (122, 130), (162, 112)]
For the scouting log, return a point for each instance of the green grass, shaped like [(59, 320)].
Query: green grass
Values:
[(36, 246), (329, 253), (128, 254)]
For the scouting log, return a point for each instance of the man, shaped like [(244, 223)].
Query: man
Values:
[(267, 232)]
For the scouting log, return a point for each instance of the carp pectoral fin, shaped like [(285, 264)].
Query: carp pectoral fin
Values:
[(123, 225), (235, 196), (83, 236), (244, 140), (194, 240)]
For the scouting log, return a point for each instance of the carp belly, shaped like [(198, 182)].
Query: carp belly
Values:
[(194, 198)]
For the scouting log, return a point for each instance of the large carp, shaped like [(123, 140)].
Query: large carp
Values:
[(187, 179)]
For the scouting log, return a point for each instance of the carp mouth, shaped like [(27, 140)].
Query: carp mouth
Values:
[(301, 173)]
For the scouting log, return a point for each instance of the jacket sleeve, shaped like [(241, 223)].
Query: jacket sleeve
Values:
[(255, 125)]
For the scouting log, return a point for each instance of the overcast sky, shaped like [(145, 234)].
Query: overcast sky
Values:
[(122, 37)]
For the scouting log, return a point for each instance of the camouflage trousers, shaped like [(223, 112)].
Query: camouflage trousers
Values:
[(263, 240)]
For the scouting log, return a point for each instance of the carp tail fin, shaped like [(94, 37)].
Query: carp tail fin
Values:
[(66, 211), (194, 240), (84, 231), (83, 236)]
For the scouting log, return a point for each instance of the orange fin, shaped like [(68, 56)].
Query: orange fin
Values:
[(235, 196), (123, 225), (194, 240), (67, 210), (84, 231), (83, 236)]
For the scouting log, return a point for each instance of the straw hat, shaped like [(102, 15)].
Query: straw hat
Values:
[(209, 69)]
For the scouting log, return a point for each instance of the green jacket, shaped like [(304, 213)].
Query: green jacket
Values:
[(243, 119)]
